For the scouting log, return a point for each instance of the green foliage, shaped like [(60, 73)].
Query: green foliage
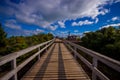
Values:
[(2, 37), (16, 43), (105, 41)]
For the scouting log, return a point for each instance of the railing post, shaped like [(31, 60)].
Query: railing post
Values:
[(94, 76), (46, 48), (74, 52), (13, 66), (39, 53)]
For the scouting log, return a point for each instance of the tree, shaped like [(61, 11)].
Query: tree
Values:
[(49, 36), (16, 43), (105, 41), (3, 36)]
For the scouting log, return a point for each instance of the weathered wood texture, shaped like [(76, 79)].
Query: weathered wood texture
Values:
[(13, 56), (95, 58), (56, 63)]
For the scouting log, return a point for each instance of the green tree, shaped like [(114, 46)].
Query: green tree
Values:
[(16, 43), (50, 36), (105, 41), (3, 36)]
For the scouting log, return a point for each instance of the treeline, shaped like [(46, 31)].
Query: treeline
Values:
[(16, 43), (105, 41)]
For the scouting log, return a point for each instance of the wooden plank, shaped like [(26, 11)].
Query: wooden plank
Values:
[(14, 55), (104, 59), (56, 63)]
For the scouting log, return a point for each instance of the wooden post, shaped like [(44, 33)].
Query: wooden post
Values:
[(74, 52), (13, 66), (94, 77), (46, 48), (39, 54)]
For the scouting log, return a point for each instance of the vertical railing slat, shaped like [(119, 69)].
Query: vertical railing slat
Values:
[(39, 53), (94, 76), (13, 66), (75, 56)]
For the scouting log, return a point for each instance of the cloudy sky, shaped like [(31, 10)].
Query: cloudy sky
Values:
[(28, 17)]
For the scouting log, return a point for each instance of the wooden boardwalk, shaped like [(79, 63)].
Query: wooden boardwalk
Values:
[(56, 63)]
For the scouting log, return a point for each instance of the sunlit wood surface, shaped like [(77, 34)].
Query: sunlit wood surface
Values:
[(56, 63)]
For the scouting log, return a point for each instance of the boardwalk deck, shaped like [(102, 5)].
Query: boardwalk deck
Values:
[(56, 63)]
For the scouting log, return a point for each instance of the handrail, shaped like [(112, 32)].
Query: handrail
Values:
[(114, 64), (13, 56)]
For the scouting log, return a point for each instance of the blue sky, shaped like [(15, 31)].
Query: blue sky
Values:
[(28, 17)]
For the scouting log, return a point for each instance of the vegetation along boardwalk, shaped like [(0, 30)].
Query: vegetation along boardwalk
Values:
[(56, 63)]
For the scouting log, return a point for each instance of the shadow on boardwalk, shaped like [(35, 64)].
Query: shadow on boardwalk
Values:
[(45, 64)]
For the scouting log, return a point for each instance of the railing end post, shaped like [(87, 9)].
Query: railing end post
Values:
[(95, 63), (13, 66), (75, 56)]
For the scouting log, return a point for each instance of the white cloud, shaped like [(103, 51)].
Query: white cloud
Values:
[(31, 32), (86, 22), (76, 31), (74, 24), (52, 27), (96, 20), (23, 32), (39, 31), (44, 12), (106, 26), (61, 33), (87, 31), (12, 24), (112, 1), (17, 30), (116, 1), (62, 24), (115, 18), (80, 23), (104, 11)]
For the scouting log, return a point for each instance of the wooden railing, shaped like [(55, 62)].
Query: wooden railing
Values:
[(13, 58), (95, 58)]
